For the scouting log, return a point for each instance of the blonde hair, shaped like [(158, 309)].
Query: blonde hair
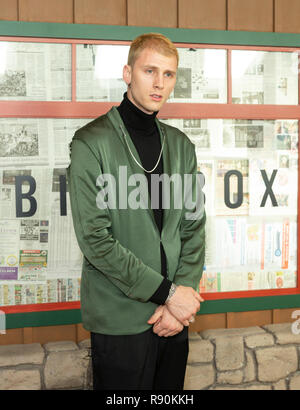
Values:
[(154, 41)]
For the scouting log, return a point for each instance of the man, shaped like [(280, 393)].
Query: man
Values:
[(142, 264)]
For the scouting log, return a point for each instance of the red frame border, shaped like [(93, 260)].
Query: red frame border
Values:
[(77, 109)]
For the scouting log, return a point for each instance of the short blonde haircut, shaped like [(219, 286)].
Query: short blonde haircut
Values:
[(154, 41)]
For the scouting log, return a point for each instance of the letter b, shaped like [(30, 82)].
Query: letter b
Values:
[(20, 196)]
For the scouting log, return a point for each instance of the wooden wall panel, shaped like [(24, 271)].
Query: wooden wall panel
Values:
[(82, 334), (254, 15), (287, 16), (54, 11), (248, 319), (77, 333), (12, 337), (213, 321), (202, 14), (154, 13), (284, 315), (9, 10), (27, 335), (100, 12), (45, 334), (251, 15)]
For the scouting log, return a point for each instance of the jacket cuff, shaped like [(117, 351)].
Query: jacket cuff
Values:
[(160, 295)]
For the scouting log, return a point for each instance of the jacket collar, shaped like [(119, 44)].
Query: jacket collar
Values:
[(118, 124)]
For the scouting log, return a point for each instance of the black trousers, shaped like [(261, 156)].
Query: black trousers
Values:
[(139, 362)]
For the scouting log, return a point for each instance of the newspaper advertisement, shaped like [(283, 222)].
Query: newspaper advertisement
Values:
[(24, 141), (99, 72), (40, 261), (250, 256), (250, 169), (251, 179), (35, 71), (201, 76), (264, 77)]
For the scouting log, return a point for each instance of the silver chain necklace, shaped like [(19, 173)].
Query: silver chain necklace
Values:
[(140, 165)]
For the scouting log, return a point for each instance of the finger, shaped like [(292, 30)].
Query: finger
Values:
[(167, 332), (195, 309), (197, 301), (184, 322), (198, 297), (154, 318), (158, 327), (174, 332), (160, 331)]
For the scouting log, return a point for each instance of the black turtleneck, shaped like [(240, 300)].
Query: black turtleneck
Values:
[(143, 131)]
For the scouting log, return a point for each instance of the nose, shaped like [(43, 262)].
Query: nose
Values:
[(159, 81)]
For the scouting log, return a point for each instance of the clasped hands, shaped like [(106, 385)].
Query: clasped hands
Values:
[(179, 311)]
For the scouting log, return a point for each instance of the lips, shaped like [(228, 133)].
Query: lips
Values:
[(156, 97)]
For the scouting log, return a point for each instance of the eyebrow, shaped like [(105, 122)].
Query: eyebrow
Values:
[(156, 67)]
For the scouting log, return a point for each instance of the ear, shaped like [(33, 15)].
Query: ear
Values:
[(127, 74)]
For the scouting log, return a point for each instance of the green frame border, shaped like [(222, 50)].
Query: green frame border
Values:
[(178, 35), (73, 316)]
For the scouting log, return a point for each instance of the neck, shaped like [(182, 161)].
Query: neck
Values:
[(135, 118)]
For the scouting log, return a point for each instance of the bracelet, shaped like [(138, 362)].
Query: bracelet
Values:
[(171, 292)]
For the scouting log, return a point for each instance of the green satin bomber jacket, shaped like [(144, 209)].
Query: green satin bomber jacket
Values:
[(121, 245)]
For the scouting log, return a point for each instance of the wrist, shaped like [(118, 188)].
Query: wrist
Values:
[(171, 292)]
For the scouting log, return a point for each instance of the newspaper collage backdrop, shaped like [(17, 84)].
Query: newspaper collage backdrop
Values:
[(250, 166)]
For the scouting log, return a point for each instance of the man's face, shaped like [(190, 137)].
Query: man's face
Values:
[(152, 79)]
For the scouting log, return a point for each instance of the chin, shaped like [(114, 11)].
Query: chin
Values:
[(148, 110), (154, 107)]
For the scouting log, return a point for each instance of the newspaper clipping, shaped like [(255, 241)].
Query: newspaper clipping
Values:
[(250, 167), (40, 261), (35, 71), (251, 178)]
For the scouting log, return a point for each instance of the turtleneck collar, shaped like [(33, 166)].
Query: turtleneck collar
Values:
[(136, 119)]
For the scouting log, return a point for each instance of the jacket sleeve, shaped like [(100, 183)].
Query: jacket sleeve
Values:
[(192, 230), (92, 228)]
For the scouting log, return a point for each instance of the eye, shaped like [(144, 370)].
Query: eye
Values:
[(149, 71), (169, 75)]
